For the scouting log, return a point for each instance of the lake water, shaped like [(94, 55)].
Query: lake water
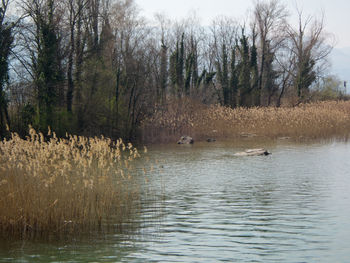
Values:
[(209, 206)]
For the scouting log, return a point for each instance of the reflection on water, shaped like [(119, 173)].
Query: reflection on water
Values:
[(291, 206)]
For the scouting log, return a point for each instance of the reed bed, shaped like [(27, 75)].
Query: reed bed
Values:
[(315, 120), (57, 187)]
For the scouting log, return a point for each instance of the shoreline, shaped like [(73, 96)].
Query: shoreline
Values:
[(320, 120)]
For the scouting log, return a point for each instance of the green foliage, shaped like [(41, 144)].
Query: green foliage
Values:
[(173, 67), (189, 71), (244, 72), (6, 39), (27, 114), (305, 77), (254, 76), (177, 68), (209, 76), (98, 94), (329, 88), (180, 64), (48, 71), (195, 78), (223, 75), (233, 78), (269, 77)]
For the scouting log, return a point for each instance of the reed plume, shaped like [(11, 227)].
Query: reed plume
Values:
[(188, 117), (58, 186)]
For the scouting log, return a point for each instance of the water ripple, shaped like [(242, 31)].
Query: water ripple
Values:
[(292, 206)]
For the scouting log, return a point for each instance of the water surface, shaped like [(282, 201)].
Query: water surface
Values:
[(209, 206)]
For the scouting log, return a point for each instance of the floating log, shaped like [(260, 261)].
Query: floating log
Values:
[(253, 152)]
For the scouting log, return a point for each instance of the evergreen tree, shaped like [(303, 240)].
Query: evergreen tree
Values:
[(180, 66), (269, 77), (79, 47), (48, 71), (223, 76), (201, 78), (6, 40), (244, 87), (189, 71), (305, 77), (233, 79), (195, 77), (177, 68), (254, 85)]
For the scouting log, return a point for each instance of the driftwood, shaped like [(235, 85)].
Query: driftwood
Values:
[(253, 152)]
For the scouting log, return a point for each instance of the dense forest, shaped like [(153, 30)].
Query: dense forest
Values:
[(98, 67)]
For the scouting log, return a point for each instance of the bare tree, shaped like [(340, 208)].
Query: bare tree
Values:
[(285, 66), (133, 61), (270, 20), (97, 66), (161, 55), (224, 37), (75, 12), (309, 49)]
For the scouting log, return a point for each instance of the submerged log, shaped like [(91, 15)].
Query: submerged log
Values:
[(185, 140), (253, 152), (248, 135)]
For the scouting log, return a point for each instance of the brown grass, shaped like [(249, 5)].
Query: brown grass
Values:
[(57, 187), (185, 117)]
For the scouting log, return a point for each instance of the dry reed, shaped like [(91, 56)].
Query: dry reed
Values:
[(315, 120), (54, 187)]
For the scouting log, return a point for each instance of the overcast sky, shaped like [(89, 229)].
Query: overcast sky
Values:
[(337, 12)]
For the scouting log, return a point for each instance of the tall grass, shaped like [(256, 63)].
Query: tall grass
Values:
[(58, 186), (315, 120)]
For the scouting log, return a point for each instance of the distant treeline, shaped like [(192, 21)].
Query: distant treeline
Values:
[(97, 67)]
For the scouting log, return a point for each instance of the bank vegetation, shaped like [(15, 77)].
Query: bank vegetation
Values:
[(93, 67), (55, 188), (318, 120)]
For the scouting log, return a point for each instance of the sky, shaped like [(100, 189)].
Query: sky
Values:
[(337, 12)]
